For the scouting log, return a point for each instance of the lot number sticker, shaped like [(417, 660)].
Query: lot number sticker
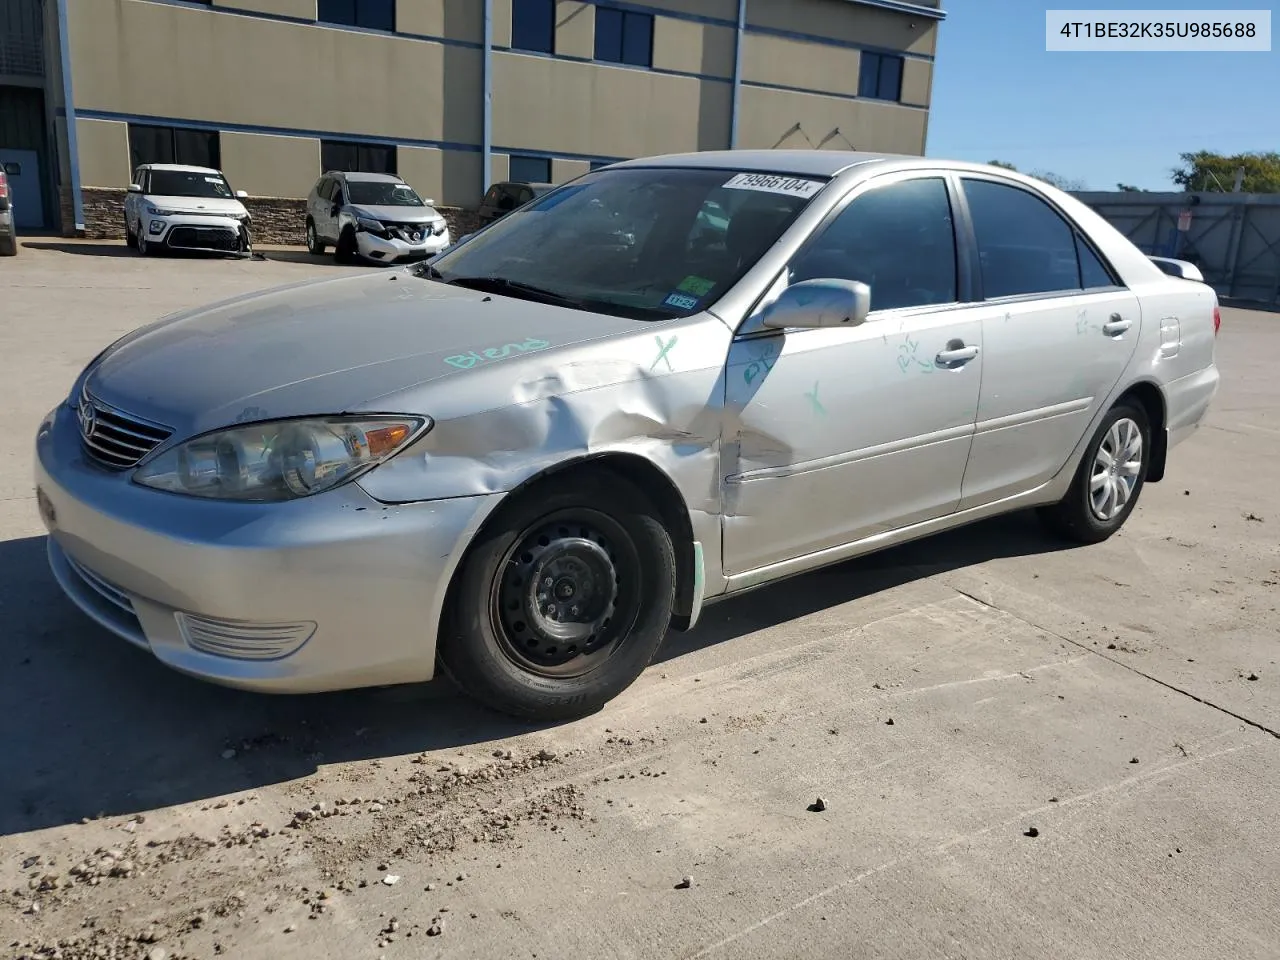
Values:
[(681, 302), (769, 183)]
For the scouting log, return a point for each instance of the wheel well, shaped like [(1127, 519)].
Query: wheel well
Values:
[(655, 485), (1148, 395)]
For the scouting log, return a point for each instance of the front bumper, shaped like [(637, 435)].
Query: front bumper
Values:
[(356, 585), (196, 233), (391, 249)]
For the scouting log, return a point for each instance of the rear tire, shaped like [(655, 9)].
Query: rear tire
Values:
[(9, 247), (315, 246), (1108, 481), (562, 601)]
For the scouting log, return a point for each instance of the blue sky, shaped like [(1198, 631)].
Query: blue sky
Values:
[(1098, 117)]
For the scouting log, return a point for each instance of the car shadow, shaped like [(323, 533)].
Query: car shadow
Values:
[(84, 248), (324, 259), (95, 727)]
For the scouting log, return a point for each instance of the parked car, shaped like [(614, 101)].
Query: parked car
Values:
[(8, 229), (528, 458), (376, 216), (171, 206), (503, 197)]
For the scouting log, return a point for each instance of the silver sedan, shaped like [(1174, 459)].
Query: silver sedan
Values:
[(526, 460)]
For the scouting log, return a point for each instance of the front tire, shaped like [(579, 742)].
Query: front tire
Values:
[(1109, 479), (130, 238), (143, 247), (345, 249), (562, 602)]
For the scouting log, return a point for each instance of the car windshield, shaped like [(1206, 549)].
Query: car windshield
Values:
[(648, 243), (382, 193), (189, 183)]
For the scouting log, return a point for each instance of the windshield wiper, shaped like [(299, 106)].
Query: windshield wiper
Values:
[(513, 288)]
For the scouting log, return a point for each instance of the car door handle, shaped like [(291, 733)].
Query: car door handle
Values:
[(956, 353), (1116, 325)]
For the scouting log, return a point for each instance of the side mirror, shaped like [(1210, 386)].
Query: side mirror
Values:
[(820, 303), (134, 188), (428, 202), (242, 194)]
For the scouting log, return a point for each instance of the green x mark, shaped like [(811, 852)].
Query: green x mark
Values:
[(663, 349), (818, 408)]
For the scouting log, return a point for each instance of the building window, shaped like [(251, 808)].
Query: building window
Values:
[(599, 164), (524, 169), (371, 14), (623, 36), (195, 148), (533, 25), (880, 76), (350, 157)]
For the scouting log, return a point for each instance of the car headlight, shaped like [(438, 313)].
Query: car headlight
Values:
[(439, 227), (371, 225), (158, 212), (279, 460)]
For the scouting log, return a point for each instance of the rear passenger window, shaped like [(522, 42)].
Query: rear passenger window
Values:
[(898, 239), (1093, 273), (1024, 246)]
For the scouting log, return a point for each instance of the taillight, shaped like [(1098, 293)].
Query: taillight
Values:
[(4, 185), (1217, 319)]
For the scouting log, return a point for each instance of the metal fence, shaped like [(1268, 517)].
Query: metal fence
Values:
[(1234, 238)]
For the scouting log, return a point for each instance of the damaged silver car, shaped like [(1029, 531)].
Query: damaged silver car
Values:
[(524, 461)]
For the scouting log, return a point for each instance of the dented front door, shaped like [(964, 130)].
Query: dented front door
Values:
[(834, 435)]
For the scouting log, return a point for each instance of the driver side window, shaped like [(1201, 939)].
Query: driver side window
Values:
[(898, 239)]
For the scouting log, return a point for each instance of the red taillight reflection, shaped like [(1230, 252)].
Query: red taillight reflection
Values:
[(1217, 320), (4, 185)]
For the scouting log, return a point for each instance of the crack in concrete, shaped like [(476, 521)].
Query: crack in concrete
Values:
[(1127, 666)]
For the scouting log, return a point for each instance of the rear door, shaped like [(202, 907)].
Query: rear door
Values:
[(1057, 337)]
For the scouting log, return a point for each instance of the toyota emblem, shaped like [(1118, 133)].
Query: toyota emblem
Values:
[(88, 419)]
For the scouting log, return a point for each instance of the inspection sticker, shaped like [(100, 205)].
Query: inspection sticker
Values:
[(770, 183), (698, 286), (680, 301)]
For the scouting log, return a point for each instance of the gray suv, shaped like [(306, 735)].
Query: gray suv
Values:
[(374, 216)]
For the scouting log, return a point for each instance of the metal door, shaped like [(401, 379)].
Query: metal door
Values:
[(23, 170)]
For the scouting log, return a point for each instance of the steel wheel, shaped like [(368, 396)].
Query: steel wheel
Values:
[(313, 246), (565, 594), (1116, 469)]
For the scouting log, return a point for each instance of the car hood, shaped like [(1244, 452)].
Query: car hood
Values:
[(395, 214), (325, 347), (222, 206)]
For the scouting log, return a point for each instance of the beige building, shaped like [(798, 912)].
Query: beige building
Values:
[(452, 94)]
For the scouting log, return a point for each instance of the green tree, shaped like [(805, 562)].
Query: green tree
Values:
[(1208, 171), (1129, 188), (1001, 163)]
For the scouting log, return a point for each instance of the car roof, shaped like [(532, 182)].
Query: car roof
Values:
[(179, 167), (358, 177)]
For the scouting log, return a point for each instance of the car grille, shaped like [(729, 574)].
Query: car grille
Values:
[(115, 439), (107, 591), (243, 641), (204, 238), (407, 231)]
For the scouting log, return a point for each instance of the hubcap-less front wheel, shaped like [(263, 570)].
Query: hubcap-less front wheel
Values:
[(1116, 469), (566, 594)]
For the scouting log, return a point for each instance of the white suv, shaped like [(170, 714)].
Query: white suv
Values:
[(375, 215), (184, 208)]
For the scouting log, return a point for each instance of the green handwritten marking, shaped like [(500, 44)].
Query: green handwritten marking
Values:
[(818, 408), (765, 356), (465, 361), (663, 350)]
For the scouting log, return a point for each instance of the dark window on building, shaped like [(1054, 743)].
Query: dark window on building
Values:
[(529, 169), (598, 164), (196, 148), (1024, 246), (624, 36), (533, 25), (371, 14), (898, 239), (357, 157), (880, 76)]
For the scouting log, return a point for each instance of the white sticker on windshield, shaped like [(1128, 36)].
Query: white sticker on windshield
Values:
[(212, 180), (771, 183)]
